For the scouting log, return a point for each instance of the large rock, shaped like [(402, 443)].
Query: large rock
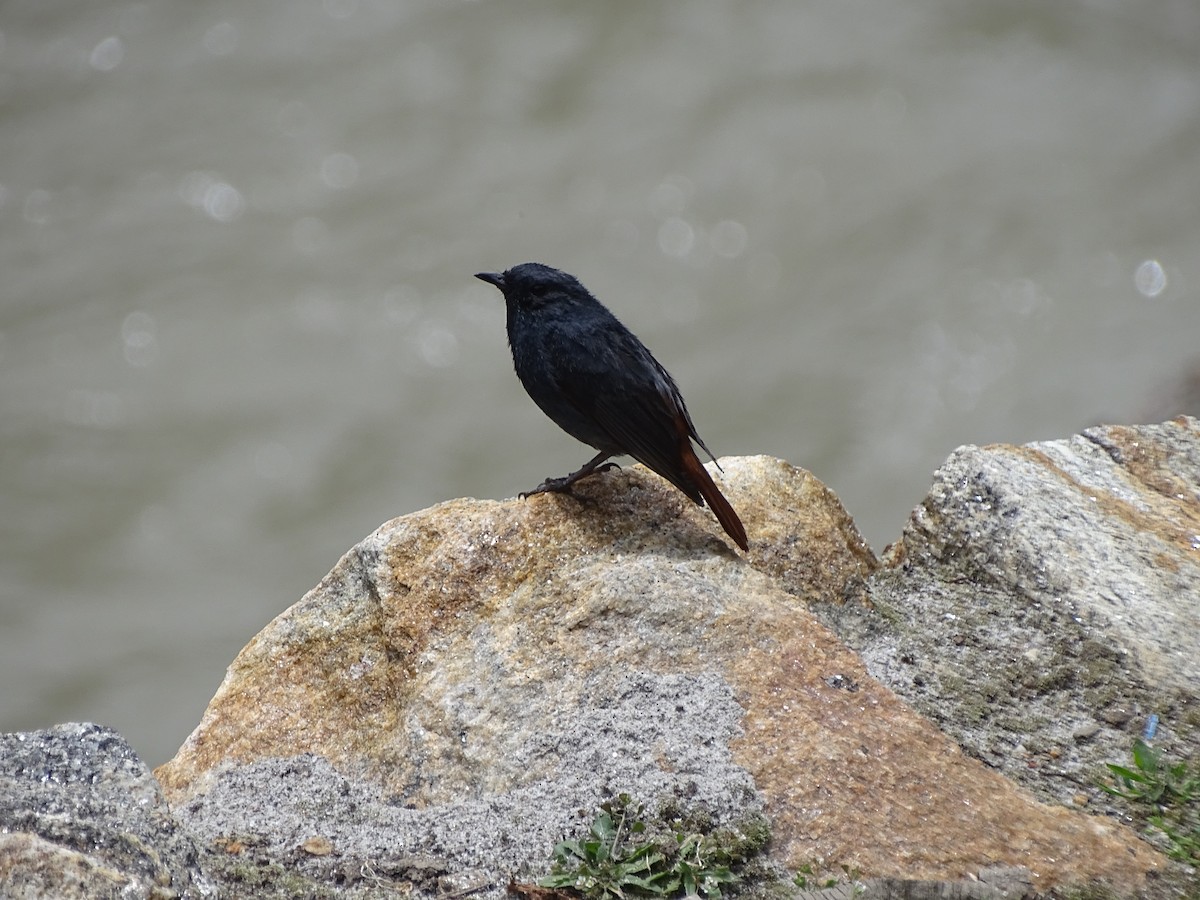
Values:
[(1043, 604), (481, 674)]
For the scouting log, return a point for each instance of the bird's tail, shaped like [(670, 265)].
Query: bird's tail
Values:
[(716, 500)]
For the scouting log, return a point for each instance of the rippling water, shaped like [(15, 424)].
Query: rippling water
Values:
[(238, 327)]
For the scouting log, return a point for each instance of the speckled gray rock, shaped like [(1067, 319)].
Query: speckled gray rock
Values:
[(1044, 603), (491, 671), (81, 816), (471, 680), (488, 837)]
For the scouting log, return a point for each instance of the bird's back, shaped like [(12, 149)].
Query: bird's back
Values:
[(600, 384)]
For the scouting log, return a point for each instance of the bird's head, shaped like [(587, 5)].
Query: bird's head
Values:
[(532, 286)]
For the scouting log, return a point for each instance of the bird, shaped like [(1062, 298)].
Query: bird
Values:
[(598, 382)]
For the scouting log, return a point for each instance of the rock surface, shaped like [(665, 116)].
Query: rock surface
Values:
[(470, 681), (490, 671), (1043, 604), (82, 817)]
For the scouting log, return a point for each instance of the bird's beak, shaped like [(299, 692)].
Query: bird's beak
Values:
[(496, 278)]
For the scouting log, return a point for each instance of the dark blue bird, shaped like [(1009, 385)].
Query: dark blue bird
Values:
[(600, 384)]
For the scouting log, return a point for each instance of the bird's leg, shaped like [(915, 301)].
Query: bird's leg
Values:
[(563, 485)]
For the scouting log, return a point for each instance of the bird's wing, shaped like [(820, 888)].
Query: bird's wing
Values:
[(677, 400), (633, 399)]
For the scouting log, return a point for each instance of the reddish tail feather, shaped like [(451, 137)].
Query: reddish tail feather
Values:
[(714, 498)]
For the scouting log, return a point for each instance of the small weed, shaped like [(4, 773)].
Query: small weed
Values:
[(1151, 781), (808, 879), (1167, 795), (808, 872), (610, 863)]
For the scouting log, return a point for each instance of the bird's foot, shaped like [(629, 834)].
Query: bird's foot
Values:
[(551, 486), (563, 484)]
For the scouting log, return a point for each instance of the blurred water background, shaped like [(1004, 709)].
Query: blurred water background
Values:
[(238, 327)]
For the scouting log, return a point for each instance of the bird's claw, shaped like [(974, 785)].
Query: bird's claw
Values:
[(565, 483), (550, 486)]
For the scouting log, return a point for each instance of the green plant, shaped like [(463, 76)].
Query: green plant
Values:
[(1167, 793), (807, 871), (807, 878), (607, 863), (1151, 780), (698, 868)]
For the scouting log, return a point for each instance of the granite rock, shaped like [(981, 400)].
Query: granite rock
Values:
[(475, 678), (82, 817), (1043, 604)]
